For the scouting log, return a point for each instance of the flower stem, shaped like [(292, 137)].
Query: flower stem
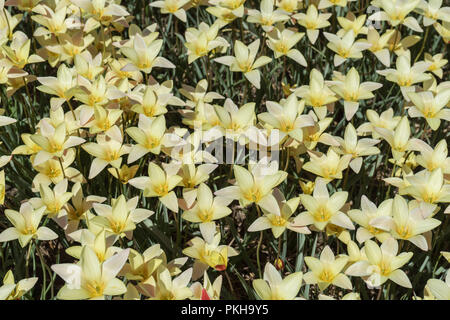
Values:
[(423, 45), (258, 248)]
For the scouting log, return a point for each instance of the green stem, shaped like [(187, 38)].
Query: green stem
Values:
[(27, 261), (258, 248), (44, 273), (229, 282), (423, 45), (62, 167), (286, 165)]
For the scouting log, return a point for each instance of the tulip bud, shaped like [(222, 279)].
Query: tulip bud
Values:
[(279, 264)]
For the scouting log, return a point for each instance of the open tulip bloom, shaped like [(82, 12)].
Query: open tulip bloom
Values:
[(245, 61), (224, 149)]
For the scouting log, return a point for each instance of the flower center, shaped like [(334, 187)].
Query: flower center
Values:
[(206, 215), (53, 172), (385, 268), (405, 81), (117, 226), (253, 195), (281, 47), (29, 230), (343, 52), (162, 189), (111, 155), (152, 142), (326, 276), (277, 220), (322, 214), (95, 289), (429, 197), (404, 231), (54, 148)]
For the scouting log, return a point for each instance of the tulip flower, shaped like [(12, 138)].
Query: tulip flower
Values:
[(53, 142), (439, 288), (327, 270), (328, 166), (385, 120), (174, 7), (159, 183), (207, 252), (266, 17), (437, 62), (54, 200), (199, 95), (91, 279), (122, 217), (312, 21), (77, 210), (207, 208), (399, 139), (109, 149), (430, 107), (345, 47), (149, 136), (207, 291), (351, 90), (87, 66), (321, 209), (351, 22), (26, 225), (10, 290), (317, 94), (255, 186), (410, 220), (433, 11), (428, 186), (289, 6), (281, 43), (99, 242), (62, 86), (396, 12), (379, 45), (154, 99), (382, 264), (357, 148), (53, 171), (323, 4), (193, 176), (125, 173), (286, 116), (18, 51), (171, 289), (371, 219), (103, 119), (273, 287), (142, 267), (143, 56), (227, 10), (203, 40), (235, 122), (400, 45), (316, 134), (102, 11), (431, 159), (280, 222), (405, 75), (245, 61)]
